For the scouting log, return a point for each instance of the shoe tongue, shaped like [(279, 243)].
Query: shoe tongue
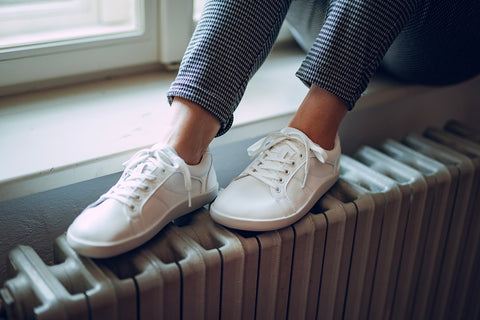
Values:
[(290, 131), (283, 149), (167, 150), (142, 168), (151, 163)]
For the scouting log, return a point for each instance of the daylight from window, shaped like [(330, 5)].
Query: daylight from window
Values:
[(197, 9), (46, 22)]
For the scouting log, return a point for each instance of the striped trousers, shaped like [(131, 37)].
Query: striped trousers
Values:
[(421, 41)]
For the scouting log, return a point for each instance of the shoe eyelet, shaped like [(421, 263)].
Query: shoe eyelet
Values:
[(280, 180), (301, 155), (132, 207), (277, 189), (254, 170), (293, 163), (287, 172)]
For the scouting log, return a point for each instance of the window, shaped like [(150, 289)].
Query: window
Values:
[(34, 22), (41, 40)]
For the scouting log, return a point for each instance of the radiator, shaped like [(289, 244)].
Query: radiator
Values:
[(396, 238)]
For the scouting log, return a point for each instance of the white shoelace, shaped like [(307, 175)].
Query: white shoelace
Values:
[(271, 166), (139, 171)]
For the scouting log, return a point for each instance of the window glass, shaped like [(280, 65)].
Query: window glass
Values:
[(197, 9), (40, 22)]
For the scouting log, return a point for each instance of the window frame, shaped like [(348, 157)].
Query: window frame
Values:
[(167, 30)]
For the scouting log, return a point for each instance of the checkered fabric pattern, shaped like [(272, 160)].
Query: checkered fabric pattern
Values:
[(234, 37), (351, 44), (231, 41)]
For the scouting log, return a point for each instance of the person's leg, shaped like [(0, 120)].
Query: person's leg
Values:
[(231, 41), (189, 130), (176, 176), (439, 45), (319, 116), (434, 32), (351, 43), (296, 166)]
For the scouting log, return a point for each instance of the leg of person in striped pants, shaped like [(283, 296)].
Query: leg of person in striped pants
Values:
[(345, 41)]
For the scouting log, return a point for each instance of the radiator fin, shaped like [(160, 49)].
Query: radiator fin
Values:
[(397, 237)]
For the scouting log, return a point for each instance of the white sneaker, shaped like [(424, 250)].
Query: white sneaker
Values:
[(280, 186), (155, 188)]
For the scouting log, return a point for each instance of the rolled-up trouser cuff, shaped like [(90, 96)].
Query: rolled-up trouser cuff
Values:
[(205, 99), (351, 43), (332, 83), (230, 42)]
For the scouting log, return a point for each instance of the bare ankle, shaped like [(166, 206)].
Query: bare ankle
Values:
[(190, 156), (319, 117), (190, 130)]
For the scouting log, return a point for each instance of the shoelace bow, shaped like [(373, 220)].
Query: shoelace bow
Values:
[(140, 169), (268, 167)]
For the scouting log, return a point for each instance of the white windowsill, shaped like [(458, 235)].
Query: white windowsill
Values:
[(57, 137)]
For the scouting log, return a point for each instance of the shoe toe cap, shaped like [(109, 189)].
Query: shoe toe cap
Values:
[(101, 225), (245, 199)]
